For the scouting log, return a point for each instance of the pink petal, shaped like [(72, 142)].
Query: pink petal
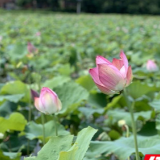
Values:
[(129, 76), (111, 77), (39, 105), (59, 105), (36, 102), (124, 59), (105, 90), (117, 63), (49, 103), (45, 89), (94, 74), (123, 72), (100, 60)]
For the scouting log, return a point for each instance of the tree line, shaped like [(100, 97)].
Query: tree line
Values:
[(96, 6)]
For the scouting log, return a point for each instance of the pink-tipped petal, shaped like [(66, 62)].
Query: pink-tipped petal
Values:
[(94, 74), (111, 77), (39, 105), (129, 76), (47, 90), (124, 59), (117, 63), (100, 60), (59, 104), (48, 101), (105, 90), (36, 102), (123, 72)]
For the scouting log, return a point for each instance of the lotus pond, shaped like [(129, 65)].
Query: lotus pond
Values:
[(91, 125)]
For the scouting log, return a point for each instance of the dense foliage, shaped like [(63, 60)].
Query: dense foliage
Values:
[(66, 49), (122, 6)]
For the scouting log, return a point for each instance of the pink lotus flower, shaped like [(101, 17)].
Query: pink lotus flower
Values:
[(38, 34), (111, 77), (31, 48), (151, 66), (48, 101)]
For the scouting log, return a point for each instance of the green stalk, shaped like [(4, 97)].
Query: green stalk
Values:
[(131, 106), (30, 113), (134, 131), (42, 117), (127, 134), (127, 130), (28, 144), (55, 123), (29, 119)]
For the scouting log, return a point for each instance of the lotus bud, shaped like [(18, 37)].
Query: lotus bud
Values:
[(38, 34), (121, 123), (151, 66), (48, 101), (31, 48), (111, 77)]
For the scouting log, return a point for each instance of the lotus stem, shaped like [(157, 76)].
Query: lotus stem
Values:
[(55, 124), (131, 106), (43, 122)]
